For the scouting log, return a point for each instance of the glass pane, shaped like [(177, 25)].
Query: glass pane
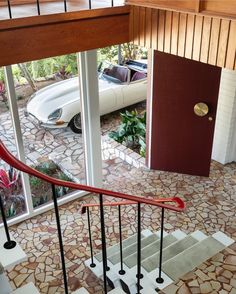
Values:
[(51, 123), (124, 123), (10, 180)]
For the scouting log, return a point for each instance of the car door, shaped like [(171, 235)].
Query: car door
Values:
[(107, 100), (134, 92)]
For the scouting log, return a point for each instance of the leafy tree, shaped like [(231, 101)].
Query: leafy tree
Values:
[(128, 50)]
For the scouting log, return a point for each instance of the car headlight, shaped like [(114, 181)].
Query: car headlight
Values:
[(55, 114)]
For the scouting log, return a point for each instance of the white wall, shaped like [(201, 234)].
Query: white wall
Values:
[(224, 144)]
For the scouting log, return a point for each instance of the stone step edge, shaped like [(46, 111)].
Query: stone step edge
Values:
[(10, 257), (178, 234), (80, 291), (26, 289), (145, 233), (198, 235)]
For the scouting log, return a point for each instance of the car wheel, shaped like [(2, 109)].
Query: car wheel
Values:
[(75, 124)]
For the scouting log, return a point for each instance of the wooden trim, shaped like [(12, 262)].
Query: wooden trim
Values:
[(62, 17), (197, 8), (194, 36), (63, 36)]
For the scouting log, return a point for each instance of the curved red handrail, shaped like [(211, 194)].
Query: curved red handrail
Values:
[(14, 162), (117, 203)]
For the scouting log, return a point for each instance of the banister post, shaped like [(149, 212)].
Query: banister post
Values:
[(104, 250), (9, 8), (10, 244), (54, 196), (90, 239), (121, 271), (160, 280)]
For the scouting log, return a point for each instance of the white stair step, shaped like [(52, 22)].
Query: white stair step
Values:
[(27, 289), (148, 282), (98, 269), (10, 257), (224, 239), (152, 278), (131, 249), (192, 257), (169, 251), (149, 250), (117, 291), (126, 242), (81, 291)]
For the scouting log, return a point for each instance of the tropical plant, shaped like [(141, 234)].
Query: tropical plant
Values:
[(132, 131), (8, 181), (14, 201)]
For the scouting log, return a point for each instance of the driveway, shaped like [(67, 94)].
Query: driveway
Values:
[(61, 145)]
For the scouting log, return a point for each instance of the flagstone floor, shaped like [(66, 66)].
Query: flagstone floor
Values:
[(210, 207)]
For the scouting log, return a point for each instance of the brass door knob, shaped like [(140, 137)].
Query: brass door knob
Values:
[(201, 109)]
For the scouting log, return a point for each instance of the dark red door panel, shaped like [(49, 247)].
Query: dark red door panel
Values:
[(180, 141)]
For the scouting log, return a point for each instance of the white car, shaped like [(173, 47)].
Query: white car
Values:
[(58, 105)]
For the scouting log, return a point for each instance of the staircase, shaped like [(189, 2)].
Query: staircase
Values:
[(181, 254)]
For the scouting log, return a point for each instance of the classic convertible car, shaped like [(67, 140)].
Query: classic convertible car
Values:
[(58, 105)]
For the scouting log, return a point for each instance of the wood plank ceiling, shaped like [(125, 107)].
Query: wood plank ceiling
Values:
[(201, 37)]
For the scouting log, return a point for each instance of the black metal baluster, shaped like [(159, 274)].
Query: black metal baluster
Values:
[(9, 8), (90, 239), (160, 280), (54, 194), (10, 243), (139, 274), (104, 250), (90, 4), (38, 7), (65, 5), (121, 271), (112, 3)]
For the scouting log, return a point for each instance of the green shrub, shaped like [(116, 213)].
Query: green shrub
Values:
[(132, 131), (47, 167)]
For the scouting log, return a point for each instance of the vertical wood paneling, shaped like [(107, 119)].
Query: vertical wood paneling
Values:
[(197, 39), (161, 30), (168, 29), (148, 31), (189, 36), (214, 41), (202, 38), (205, 39), (231, 50), (182, 34), (142, 23), (154, 28), (223, 42), (175, 33), (131, 24), (136, 24)]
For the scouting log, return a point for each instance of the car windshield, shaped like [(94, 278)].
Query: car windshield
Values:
[(114, 73)]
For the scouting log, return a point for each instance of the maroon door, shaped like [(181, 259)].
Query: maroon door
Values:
[(179, 140)]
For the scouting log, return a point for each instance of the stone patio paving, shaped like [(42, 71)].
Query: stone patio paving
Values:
[(210, 208)]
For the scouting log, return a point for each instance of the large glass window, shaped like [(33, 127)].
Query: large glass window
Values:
[(48, 104), (11, 188), (123, 90)]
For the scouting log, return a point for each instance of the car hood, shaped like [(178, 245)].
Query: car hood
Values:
[(57, 95)]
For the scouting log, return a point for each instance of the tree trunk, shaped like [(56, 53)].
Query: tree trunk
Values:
[(26, 74)]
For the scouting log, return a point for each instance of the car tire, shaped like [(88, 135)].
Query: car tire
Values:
[(75, 124)]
